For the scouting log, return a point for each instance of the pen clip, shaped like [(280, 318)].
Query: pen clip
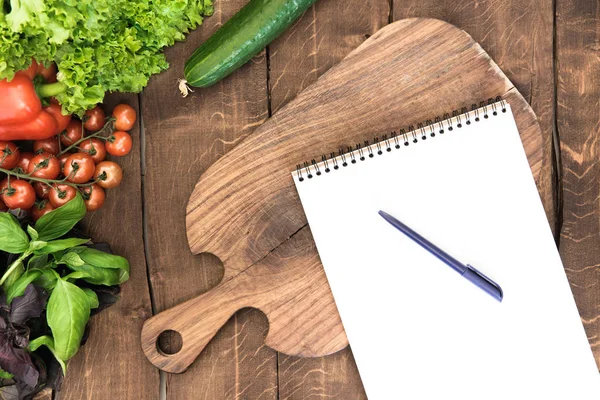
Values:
[(483, 282)]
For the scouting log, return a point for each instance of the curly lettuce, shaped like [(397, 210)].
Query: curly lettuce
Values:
[(97, 45)]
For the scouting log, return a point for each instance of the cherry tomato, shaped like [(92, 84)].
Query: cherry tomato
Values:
[(125, 117), (40, 209), (49, 73), (79, 168), (45, 166), (95, 148), (73, 133), (49, 145), (26, 157), (94, 119), (119, 144), (3, 207), (19, 194), (9, 155), (42, 191), (108, 174), (62, 121), (61, 194), (62, 159), (93, 197)]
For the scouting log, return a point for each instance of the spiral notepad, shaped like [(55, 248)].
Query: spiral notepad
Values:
[(417, 330)]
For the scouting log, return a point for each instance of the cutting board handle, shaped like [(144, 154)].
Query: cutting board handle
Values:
[(197, 321)]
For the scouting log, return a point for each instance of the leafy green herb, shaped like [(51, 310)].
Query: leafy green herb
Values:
[(60, 221), (12, 238), (68, 312)]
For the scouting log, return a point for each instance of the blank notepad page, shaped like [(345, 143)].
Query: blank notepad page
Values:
[(417, 329)]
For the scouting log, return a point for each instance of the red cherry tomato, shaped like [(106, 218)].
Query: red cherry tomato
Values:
[(26, 157), (119, 144), (19, 194), (62, 121), (108, 174), (95, 148), (61, 194), (73, 133), (124, 116), (49, 145), (93, 197), (40, 209), (45, 166), (42, 190), (79, 168), (94, 119), (9, 155)]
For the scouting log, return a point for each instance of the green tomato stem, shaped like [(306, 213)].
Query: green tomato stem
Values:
[(50, 89)]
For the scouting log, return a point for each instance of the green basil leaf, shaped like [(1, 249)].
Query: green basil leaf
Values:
[(58, 222), (47, 280), (18, 287), (61, 244), (92, 297), (96, 275), (72, 260), (36, 245), (49, 343), (104, 260), (12, 238), (38, 261), (32, 233), (68, 312)]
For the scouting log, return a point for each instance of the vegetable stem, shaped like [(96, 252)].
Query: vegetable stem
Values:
[(14, 265), (50, 89)]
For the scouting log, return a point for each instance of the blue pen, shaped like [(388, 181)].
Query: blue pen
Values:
[(467, 271)]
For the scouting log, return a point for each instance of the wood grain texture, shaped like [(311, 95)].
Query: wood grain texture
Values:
[(111, 364), (517, 34), (184, 137), (246, 211), (578, 124), (319, 40)]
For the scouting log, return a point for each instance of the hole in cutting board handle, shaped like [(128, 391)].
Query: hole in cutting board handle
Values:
[(169, 342)]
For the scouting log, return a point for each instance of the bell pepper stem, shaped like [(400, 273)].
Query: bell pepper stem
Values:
[(50, 89)]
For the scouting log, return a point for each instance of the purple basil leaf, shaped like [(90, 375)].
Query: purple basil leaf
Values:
[(30, 305), (17, 362)]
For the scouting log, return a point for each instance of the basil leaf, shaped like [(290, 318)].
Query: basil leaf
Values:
[(13, 276), (38, 261), (96, 275), (36, 245), (58, 222), (67, 314), (47, 280), (12, 238), (49, 343), (72, 260), (104, 260), (5, 375), (18, 287), (32, 233), (61, 244), (92, 297)]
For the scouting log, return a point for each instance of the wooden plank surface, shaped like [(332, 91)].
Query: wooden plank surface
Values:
[(578, 125), (326, 33), (183, 138), (111, 364)]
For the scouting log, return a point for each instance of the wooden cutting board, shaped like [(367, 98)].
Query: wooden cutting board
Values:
[(245, 209)]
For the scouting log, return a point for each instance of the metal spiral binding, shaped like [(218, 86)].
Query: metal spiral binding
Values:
[(396, 140)]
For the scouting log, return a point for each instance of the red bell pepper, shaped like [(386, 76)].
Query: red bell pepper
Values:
[(21, 113)]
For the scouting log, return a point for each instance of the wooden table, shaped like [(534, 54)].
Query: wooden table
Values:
[(550, 51)]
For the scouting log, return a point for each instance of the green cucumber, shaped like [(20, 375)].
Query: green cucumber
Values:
[(240, 39)]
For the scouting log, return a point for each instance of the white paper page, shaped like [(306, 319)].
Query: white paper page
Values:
[(418, 330)]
